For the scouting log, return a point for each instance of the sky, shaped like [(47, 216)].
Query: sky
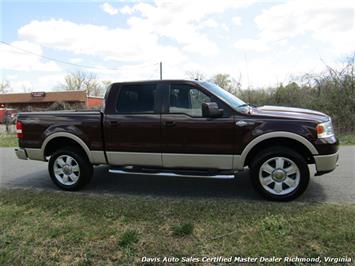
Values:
[(259, 43)]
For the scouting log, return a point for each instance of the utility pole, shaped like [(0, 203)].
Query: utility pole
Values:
[(161, 70)]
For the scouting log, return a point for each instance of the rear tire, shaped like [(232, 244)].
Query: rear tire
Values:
[(279, 173), (70, 169)]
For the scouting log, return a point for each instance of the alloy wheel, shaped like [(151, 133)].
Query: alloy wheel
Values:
[(279, 175), (66, 170)]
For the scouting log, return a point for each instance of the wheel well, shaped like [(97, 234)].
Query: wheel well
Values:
[(60, 142), (289, 143)]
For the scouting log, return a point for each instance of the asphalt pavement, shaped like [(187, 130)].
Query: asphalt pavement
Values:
[(335, 187)]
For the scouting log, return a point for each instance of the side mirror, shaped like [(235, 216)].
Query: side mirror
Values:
[(211, 110)]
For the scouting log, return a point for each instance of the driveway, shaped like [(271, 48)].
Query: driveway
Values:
[(336, 187)]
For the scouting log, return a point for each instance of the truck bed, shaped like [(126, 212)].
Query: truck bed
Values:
[(86, 124)]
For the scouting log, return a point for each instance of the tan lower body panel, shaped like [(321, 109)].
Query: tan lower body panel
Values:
[(326, 162), (34, 154), (134, 158), (171, 160), (213, 161), (168, 160)]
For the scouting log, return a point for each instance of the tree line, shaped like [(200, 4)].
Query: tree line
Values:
[(331, 91)]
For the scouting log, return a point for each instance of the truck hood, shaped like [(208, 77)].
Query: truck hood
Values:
[(290, 112)]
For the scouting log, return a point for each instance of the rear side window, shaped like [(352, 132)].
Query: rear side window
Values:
[(137, 99)]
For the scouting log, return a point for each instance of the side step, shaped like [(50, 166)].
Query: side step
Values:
[(172, 173)]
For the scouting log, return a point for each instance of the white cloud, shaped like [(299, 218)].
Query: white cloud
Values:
[(252, 45), (178, 33), (268, 71), (224, 27), (16, 59), (21, 85), (237, 21), (127, 10), (125, 45), (177, 21), (48, 82), (75, 60), (210, 23), (109, 9), (330, 22)]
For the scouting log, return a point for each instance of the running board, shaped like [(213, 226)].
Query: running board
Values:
[(220, 176)]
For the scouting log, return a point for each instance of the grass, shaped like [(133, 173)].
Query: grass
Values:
[(71, 228), (128, 238), (182, 229), (348, 139), (8, 140)]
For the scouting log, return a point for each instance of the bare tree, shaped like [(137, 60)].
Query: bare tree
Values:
[(106, 83), (222, 80), (75, 81), (195, 75), (26, 89), (4, 86), (226, 82), (83, 81)]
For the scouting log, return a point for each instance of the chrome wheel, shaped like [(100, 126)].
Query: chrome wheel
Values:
[(66, 170), (279, 175)]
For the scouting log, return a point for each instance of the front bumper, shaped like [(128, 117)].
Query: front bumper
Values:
[(326, 163)]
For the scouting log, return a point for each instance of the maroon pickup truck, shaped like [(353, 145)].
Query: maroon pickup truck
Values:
[(181, 127)]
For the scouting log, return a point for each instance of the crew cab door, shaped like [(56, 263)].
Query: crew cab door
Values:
[(132, 125), (191, 140)]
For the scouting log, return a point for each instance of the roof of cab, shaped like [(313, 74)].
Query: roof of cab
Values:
[(159, 81)]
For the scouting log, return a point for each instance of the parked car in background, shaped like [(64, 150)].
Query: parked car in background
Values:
[(182, 127)]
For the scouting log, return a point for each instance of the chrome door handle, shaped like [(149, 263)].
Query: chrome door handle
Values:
[(242, 123), (114, 123), (170, 123)]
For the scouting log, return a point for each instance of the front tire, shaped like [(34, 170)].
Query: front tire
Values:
[(279, 173), (70, 169)]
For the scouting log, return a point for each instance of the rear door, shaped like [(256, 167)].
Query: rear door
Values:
[(191, 140), (132, 125)]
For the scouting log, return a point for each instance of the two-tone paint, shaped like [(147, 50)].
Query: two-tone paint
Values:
[(176, 140)]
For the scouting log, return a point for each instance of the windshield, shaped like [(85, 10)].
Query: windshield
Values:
[(229, 98)]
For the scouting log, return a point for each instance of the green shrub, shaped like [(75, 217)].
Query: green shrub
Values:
[(183, 229), (128, 238)]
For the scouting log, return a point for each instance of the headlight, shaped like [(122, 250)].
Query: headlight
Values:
[(325, 130)]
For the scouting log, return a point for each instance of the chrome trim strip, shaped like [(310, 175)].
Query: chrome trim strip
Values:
[(134, 158), (238, 160), (215, 161), (169, 174), (326, 162)]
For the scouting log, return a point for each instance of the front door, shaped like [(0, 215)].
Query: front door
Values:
[(191, 140), (132, 127)]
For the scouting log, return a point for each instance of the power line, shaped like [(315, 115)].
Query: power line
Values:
[(72, 64)]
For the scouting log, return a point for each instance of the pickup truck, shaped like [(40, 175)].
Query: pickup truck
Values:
[(185, 128)]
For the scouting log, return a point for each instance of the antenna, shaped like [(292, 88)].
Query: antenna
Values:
[(247, 68), (161, 70)]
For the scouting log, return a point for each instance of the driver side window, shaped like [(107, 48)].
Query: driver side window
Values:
[(187, 99)]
